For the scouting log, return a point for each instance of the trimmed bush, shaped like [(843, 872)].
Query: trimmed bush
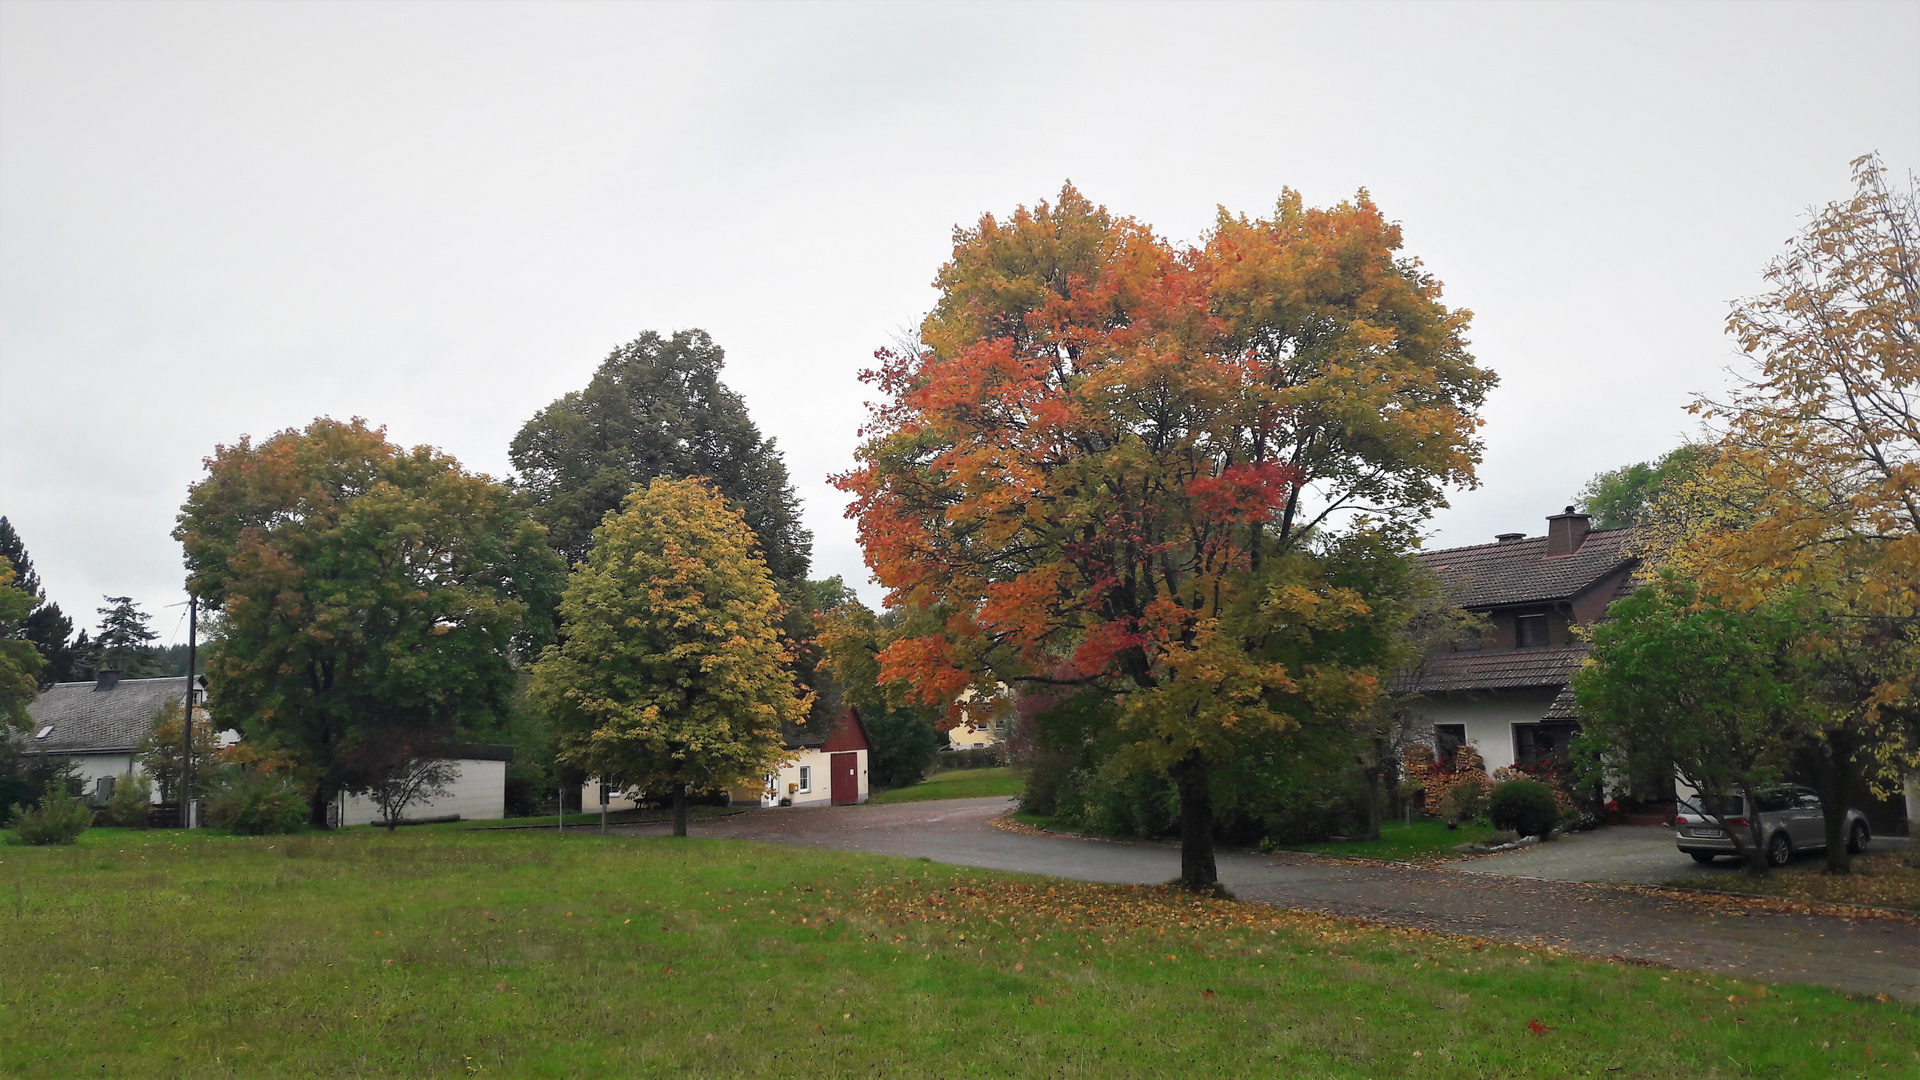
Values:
[(59, 818), (251, 804), (1525, 806)]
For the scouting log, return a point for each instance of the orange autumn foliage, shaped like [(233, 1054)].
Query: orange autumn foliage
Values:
[(1079, 472)]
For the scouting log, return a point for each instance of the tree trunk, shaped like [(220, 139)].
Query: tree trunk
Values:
[(680, 810), (1756, 851), (317, 805), (1197, 870), (1830, 772), (1373, 803), (1376, 772)]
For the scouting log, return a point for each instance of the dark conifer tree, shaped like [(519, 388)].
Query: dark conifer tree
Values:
[(125, 643), (46, 625)]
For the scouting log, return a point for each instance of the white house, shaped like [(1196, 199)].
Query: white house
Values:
[(1506, 693), (478, 791), (821, 768), (99, 725)]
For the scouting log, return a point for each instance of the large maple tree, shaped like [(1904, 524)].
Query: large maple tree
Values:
[(368, 598), (1094, 463)]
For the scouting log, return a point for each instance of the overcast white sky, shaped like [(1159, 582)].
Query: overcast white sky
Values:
[(219, 219)]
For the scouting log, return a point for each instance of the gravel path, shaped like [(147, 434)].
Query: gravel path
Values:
[(1870, 956)]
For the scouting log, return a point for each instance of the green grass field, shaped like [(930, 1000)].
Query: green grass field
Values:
[(445, 952), (955, 784), (1425, 840)]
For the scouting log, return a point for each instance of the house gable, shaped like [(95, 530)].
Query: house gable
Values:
[(848, 733)]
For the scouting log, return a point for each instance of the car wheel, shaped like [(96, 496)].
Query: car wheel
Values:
[(1701, 856), (1858, 839), (1779, 849)]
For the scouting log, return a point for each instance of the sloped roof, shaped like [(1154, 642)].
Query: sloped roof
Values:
[(815, 736), (89, 720), (1493, 669), (1519, 571), (1564, 707)]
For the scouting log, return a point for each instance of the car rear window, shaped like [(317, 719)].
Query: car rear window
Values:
[(1724, 807), (1775, 800)]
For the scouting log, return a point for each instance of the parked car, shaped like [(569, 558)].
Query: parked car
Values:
[(1791, 821)]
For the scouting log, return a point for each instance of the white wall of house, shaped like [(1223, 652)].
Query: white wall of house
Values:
[(590, 798), (1489, 718), (814, 787), (92, 767), (478, 793)]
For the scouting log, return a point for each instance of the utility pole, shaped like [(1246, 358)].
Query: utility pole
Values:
[(186, 722)]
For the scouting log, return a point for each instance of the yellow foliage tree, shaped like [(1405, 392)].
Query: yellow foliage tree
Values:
[(673, 674), (1813, 484)]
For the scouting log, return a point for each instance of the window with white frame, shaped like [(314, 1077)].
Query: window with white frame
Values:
[(806, 779)]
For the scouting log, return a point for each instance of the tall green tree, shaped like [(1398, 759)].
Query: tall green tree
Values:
[(672, 674), (1718, 690), (657, 408), (20, 662), (125, 641), (46, 625), (1628, 495), (372, 600)]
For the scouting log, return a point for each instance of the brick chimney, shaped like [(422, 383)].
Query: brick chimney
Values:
[(105, 679), (1566, 532)]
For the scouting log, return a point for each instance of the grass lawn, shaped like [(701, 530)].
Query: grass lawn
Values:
[(1889, 879), (1427, 839), (955, 784), (449, 952)]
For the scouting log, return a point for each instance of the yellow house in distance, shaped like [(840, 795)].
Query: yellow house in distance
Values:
[(977, 727)]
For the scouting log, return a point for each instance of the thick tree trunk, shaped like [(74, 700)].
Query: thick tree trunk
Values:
[(317, 805), (1832, 782), (1197, 869), (680, 811), (1756, 852)]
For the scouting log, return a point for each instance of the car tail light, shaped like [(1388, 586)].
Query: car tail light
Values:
[(1736, 823)]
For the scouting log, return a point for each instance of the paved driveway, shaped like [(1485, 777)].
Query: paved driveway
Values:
[(1640, 855), (1859, 955), (1628, 855)]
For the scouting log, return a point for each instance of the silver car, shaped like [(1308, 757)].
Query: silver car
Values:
[(1791, 821)]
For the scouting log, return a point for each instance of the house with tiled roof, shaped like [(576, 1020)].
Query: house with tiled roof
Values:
[(99, 725), (1505, 690)]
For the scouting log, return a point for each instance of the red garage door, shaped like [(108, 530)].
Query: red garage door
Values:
[(846, 779)]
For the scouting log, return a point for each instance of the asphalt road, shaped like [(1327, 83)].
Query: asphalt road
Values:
[(1869, 956)]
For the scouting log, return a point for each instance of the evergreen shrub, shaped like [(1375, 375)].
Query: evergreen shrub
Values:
[(59, 818), (1525, 806)]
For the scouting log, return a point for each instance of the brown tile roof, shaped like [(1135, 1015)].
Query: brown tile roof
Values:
[(1493, 669), (1519, 572)]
